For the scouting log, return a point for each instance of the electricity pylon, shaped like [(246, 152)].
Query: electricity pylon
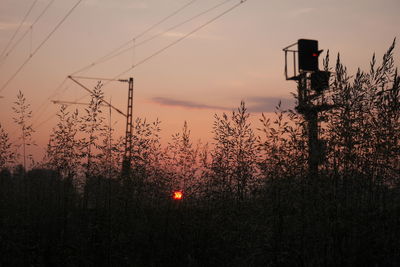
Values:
[(126, 164)]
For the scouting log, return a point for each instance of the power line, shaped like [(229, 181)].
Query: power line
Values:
[(43, 122), (46, 106), (27, 31), (19, 27), (40, 45), (39, 110), (166, 47), (136, 37), (93, 78), (116, 53), (164, 19), (181, 38), (59, 102), (107, 55), (162, 50), (91, 92)]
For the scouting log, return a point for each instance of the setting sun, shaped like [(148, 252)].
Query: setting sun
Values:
[(178, 195)]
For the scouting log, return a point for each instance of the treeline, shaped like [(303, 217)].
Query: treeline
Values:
[(248, 197)]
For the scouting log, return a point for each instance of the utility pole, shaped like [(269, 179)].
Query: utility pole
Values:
[(311, 85), (126, 164), (127, 160)]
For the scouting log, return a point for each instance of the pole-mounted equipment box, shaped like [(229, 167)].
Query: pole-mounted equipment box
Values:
[(320, 81), (304, 59), (308, 54)]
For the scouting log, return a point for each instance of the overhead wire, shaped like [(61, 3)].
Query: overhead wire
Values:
[(165, 48), (40, 112), (55, 113), (120, 47), (164, 19), (133, 51), (43, 122), (30, 40), (59, 102), (17, 30), (43, 106), (135, 45), (180, 39), (93, 78), (136, 37), (40, 45), (27, 31)]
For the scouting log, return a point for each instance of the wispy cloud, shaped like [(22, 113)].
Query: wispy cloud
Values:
[(138, 5), (116, 4), (9, 26), (185, 104), (300, 11), (254, 104), (193, 36), (269, 104)]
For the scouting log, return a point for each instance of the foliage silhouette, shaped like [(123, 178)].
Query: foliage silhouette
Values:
[(22, 116), (248, 199)]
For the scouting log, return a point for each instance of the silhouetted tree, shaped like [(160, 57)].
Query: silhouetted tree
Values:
[(234, 156), (183, 163), (92, 126), (7, 156), (283, 146), (22, 116), (62, 154), (251, 201), (146, 174)]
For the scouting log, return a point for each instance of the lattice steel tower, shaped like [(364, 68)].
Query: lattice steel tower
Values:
[(126, 164)]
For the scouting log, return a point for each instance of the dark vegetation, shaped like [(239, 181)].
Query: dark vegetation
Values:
[(248, 198)]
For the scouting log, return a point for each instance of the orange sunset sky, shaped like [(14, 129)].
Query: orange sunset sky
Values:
[(236, 57)]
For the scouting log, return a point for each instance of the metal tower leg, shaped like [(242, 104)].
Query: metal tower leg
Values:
[(126, 165)]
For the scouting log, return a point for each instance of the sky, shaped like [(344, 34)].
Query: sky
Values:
[(236, 57)]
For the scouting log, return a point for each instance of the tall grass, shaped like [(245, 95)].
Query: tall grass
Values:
[(248, 199)]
